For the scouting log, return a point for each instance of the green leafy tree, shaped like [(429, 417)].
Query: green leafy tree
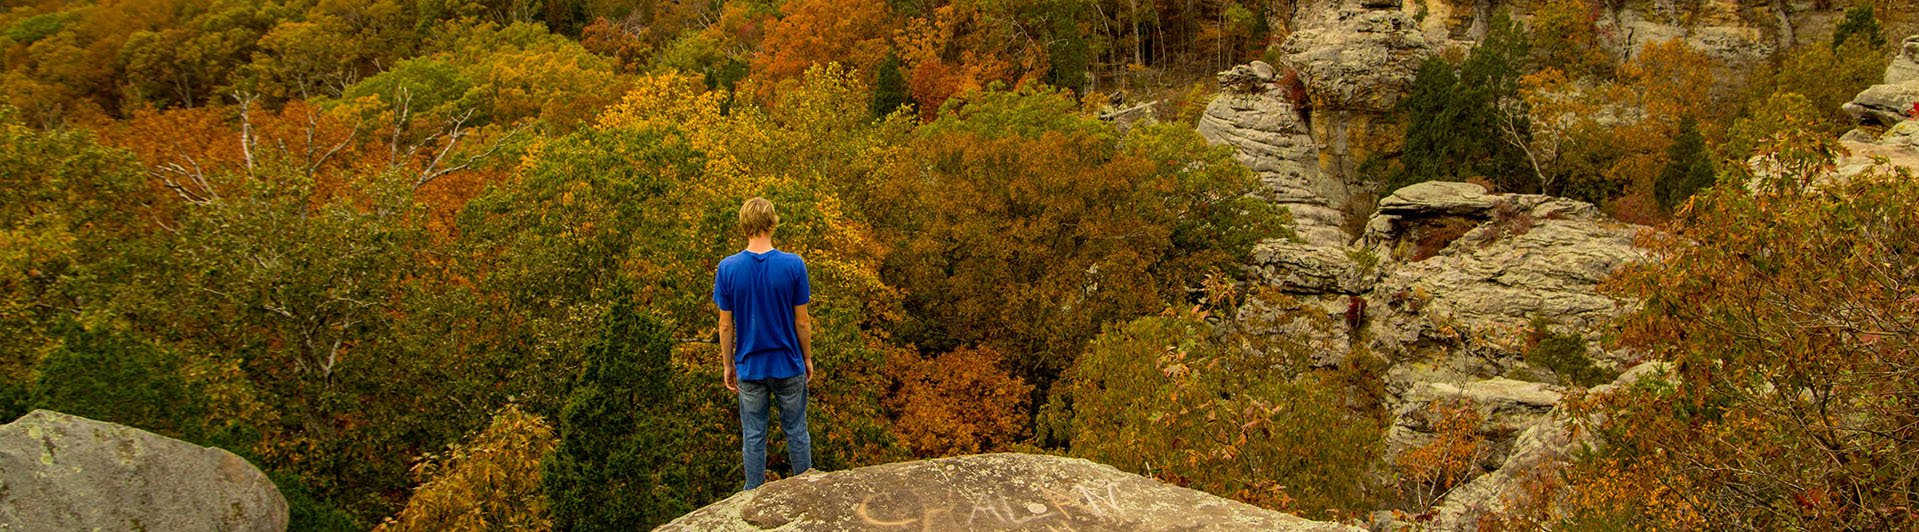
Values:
[(112, 376), (615, 466), (67, 204), (1688, 168)]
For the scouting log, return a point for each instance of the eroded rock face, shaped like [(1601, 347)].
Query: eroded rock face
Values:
[(1905, 64), (63, 472), (1268, 137), (1444, 285), (1358, 59), (1006, 491)]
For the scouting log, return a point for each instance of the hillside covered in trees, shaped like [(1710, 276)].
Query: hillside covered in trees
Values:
[(440, 264)]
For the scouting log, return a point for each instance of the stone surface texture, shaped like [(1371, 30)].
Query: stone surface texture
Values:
[(1005, 491), (63, 472)]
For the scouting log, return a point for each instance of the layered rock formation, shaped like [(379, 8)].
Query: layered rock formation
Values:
[(1444, 285), (1004, 491), (62, 472), (1255, 116)]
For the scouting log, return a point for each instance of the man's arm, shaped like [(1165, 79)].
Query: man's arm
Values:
[(803, 324), (726, 350)]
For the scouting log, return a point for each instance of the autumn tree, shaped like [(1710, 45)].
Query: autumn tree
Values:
[(1161, 395), (66, 205), (1786, 316), (1827, 76), (492, 480), (813, 32), (1013, 188), (961, 402)]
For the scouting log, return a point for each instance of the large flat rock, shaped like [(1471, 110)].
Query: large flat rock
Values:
[(1006, 491), (63, 472)]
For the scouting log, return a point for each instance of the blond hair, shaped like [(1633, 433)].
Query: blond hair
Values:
[(757, 217)]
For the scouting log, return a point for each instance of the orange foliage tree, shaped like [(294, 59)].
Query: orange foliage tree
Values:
[(1605, 141), (961, 402), (1015, 189), (816, 32), (1789, 316)]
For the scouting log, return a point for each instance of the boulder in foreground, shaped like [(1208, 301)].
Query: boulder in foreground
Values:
[(63, 472), (1006, 491)]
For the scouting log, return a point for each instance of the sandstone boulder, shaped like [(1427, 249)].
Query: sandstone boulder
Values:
[(1437, 198), (1006, 491), (1359, 59), (1884, 104), (63, 472)]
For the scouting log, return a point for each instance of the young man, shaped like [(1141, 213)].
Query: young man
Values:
[(766, 338)]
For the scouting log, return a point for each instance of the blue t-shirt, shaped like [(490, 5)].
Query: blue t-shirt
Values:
[(761, 289)]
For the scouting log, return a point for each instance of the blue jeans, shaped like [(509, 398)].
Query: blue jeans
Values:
[(791, 393)]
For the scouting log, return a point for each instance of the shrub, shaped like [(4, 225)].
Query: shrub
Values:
[(1428, 471), (1788, 316), (1564, 354)]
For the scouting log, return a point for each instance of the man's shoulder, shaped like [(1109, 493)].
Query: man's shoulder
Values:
[(731, 260), (790, 259)]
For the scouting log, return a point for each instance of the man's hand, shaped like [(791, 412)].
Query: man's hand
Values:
[(732, 380), (809, 371)]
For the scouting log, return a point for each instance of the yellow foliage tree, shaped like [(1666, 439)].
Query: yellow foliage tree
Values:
[(491, 482)]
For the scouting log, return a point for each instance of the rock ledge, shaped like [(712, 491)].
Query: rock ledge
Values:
[(1005, 491)]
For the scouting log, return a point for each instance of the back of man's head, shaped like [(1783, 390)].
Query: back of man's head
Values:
[(757, 217)]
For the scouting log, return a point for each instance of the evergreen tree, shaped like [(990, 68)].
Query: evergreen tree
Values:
[(613, 467), (1457, 115), (889, 87), (1431, 144), (1688, 167), (1860, 23)]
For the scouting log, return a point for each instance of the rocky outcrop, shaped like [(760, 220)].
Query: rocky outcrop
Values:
[(1550, 439), (1889, 103), (1445, 284), (62, 472), (1734, 44), (1519, 257), (1255, 117), (1358, 59), (1356, 64), (1004, 491)]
